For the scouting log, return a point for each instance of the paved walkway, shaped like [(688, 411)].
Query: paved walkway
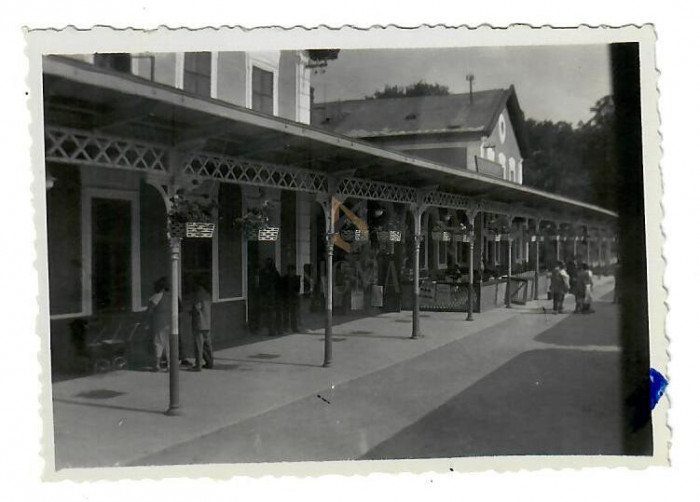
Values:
[(271, 400)]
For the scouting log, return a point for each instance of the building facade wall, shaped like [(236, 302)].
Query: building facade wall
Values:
[(502, 146)]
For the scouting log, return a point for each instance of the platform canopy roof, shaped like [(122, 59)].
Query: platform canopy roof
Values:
[(81, 96)]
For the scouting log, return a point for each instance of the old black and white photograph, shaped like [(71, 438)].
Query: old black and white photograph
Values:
[(262, 250)]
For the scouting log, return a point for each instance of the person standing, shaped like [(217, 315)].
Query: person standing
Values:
[(585, 284), (559, 287), (290, 300), (201, 328), (270, 289), (159, 313)]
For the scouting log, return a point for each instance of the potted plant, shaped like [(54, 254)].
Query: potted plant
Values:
[(191, 217), (256, 224), (441, 232)]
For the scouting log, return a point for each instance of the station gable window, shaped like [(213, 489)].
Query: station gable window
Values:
[(197, 78), (263, 90)]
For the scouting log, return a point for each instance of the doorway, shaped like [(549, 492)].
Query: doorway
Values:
[(111, 255)]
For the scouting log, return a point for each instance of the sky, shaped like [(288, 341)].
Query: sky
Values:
[(558, 83)]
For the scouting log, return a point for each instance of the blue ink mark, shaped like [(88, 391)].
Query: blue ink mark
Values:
[(657, 386)]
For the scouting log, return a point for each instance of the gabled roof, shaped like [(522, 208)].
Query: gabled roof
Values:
[(453, 113)]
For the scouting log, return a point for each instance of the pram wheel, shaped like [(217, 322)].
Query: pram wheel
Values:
[(119, 363), (101, 366)]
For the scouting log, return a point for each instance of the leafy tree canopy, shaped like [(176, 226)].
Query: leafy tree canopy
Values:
[(575, 162), (420, 88)]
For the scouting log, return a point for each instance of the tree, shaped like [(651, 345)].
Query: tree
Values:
[(575, 162), (420, 88), (598, 143)]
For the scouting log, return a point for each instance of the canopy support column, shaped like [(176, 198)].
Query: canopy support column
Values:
[(510, 270), (174, 356), (557, 239), (537, 259), (417, 211), (175, 167), (588, 247), (330, 207), (470, 244)]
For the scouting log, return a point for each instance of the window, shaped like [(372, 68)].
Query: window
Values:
[(197, 78), (119, 62), (263, 90), (502, 162), (145, 66)]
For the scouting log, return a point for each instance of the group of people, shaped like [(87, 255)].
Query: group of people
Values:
[(160, 317), (575, 278)]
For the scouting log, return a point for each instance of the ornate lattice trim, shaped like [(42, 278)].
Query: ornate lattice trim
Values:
[(250, 172), (77, 147), (377, 190)]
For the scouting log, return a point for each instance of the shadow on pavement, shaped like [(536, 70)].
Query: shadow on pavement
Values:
[(262, 361), (109, 406), (543, 402), (586, 329)]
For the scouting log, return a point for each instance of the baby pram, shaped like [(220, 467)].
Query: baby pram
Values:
[(104, 345)]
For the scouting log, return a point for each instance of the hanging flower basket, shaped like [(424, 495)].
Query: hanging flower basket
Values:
[(350, 235), (256, 224), (389, 236), (463, 236), (191, 218), (199, 229), (263, 234), (441, 236)]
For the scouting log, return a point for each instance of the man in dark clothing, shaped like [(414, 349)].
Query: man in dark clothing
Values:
[(290, 300), (559, 286), (270, 290)]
